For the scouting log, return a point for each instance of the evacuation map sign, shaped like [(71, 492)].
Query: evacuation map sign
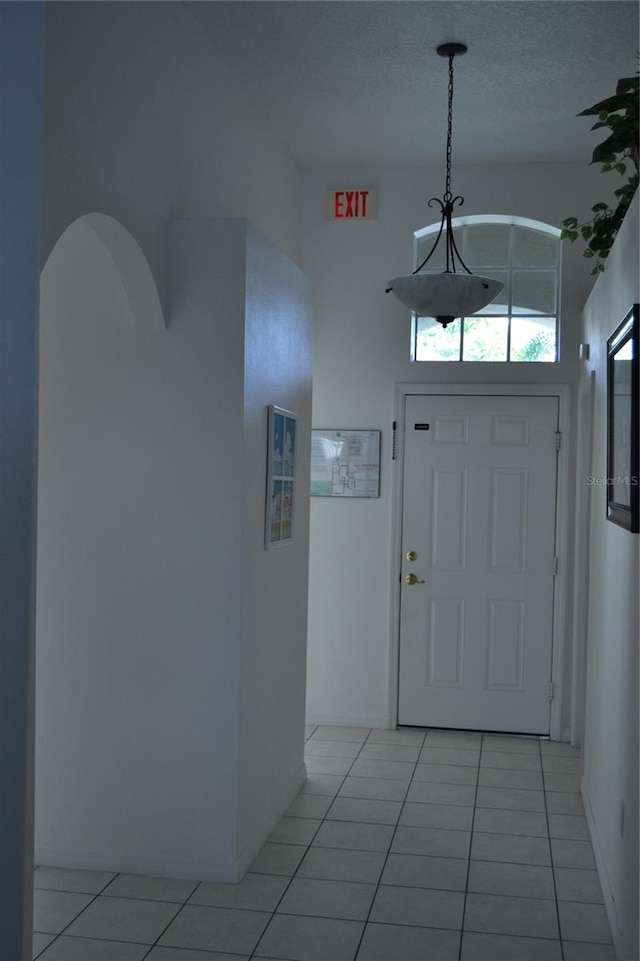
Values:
[(345, 463)]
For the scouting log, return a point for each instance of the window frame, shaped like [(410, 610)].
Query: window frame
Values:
[(505, 221)]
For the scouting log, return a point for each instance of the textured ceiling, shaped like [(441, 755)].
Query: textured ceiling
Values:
[(352, 81)]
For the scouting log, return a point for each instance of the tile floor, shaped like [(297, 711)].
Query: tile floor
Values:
[(401, 846)]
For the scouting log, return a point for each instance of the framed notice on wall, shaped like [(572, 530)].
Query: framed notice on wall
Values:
[(281, 476), (345, 463)]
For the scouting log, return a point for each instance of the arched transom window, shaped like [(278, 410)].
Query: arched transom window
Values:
[(522, 322)]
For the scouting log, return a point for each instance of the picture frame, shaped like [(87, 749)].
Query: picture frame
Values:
[(282, 428), (345, 462), (623, 473)]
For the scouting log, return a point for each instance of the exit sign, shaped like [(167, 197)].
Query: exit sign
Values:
[(353, 204)]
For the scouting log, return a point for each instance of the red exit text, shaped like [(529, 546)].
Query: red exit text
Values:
[(352, 204)]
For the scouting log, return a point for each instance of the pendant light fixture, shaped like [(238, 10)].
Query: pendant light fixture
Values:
[(450, 294)]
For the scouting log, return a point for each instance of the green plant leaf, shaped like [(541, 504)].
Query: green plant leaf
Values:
[(627, 84), (620, 115), (607, 150), (619, 101)]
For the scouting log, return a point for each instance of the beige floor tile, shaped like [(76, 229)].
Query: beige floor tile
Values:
[(422, 907), (416, 871), (572, 854), (573, 884), (317, 747), (342, 865), (449, 816), (511, 761), (331, 733), (527, 917), (216, 929), (512, 745), (509, 848), (491, 821), (401, 736), (310, 939), (54, 910), (295, 831), (504, 947), (377, 789), (278, 859), (446, 773), (71, 879), (255, 892), (65, 948), (364, 810), (392, 942), (584, 922), (123, 919), (313, 897), (150, 889), (390, 752), (353, 835), (431, 842), (511, 880)]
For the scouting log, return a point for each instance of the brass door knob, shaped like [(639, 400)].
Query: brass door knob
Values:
[(411, 556), (412, 579)]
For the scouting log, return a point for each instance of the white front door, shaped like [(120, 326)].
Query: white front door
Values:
[(479, 514)]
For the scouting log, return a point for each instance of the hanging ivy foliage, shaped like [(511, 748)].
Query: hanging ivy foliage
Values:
[(618, 152)]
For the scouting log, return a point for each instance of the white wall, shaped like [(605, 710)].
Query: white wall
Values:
[(361, 349), (138, 590), (171, 645), (21, 74), (274, 624), (145, 122), (611, 730)]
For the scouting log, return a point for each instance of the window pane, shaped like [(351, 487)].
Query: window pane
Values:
[(438, 260), (485, 338), (534, 291), (501, 303), (533, 339), (487, 245), (532, 248), (435, 342), (521, 323)]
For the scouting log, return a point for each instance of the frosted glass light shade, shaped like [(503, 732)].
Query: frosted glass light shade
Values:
[(444, 295)]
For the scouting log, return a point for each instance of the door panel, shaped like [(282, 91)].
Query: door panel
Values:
[(479, 510)]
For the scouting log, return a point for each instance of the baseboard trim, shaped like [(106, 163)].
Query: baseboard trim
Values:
[(607, 894), (215, 868), (332, 720)]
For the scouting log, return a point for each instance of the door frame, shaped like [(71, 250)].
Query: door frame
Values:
[(584, 462), (563, 579)]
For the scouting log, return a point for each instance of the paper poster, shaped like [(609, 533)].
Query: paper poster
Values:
[(345, 463)]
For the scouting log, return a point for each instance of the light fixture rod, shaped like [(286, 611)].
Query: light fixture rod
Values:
[(447, 190), (448, 202)]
